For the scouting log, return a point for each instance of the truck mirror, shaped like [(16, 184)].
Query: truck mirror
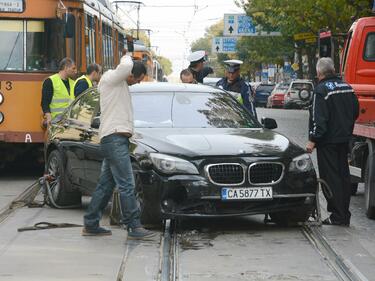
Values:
[(70, 26)]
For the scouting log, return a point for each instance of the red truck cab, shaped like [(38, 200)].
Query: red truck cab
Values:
[(358, 69), (358, 65)]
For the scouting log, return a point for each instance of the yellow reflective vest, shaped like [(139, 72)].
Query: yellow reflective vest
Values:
[(61, 97), (79, 79)]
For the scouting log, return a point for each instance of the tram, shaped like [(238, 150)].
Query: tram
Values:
[(35, 36)]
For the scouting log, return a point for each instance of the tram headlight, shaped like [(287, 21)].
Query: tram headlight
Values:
[(1, 117), (1, 98)]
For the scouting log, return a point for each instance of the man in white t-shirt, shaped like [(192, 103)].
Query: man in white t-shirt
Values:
[(116, 127)]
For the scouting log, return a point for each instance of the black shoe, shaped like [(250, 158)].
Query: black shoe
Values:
[(96, 231), (140, 233), (328, 221)]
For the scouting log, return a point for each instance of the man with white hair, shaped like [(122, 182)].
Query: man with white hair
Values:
[(332, 115)]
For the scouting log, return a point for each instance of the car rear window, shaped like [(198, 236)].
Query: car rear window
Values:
[(299, 86), (190, 110), (265, 88)]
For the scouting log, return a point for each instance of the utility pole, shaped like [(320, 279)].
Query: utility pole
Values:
[(138, 9)]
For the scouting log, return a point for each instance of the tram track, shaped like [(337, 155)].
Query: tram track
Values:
[(342, 268), (25, 198)]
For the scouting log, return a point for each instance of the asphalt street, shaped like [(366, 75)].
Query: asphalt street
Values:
[(225, 249)]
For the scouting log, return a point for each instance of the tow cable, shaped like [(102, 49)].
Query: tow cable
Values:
[(44, 185)]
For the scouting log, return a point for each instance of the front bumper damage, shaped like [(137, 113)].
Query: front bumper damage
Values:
[(195, 196)]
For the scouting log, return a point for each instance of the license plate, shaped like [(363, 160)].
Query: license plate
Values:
[(246, 193)]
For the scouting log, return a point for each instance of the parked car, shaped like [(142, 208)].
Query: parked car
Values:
[(299, 94), (276, 99), (262, 92), (196, 152)]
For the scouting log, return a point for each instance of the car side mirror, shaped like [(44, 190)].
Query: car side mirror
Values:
[(269, 123), (95, 122)]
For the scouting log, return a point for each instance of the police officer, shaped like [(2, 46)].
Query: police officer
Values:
[(234, 83), (197, 66), (332, 115), (56, 90), (94, 72)]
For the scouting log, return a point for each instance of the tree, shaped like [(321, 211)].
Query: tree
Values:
[(166, 64), (295, 16)]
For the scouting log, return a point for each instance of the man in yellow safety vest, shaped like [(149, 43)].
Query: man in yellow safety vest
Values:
[(56, 91), (94, 72)]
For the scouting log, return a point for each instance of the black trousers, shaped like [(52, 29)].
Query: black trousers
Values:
[(334, 169)]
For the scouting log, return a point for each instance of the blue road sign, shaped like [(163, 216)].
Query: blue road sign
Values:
[(224, 44)]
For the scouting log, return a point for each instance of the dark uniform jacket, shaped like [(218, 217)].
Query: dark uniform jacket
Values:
[(199, 75), (333, 112), (239, 86)]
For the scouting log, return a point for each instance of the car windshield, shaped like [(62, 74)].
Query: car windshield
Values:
[(300, 86), (190, 110), (265, 88)]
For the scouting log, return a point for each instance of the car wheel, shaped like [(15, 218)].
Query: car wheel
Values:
[(149, 205), (304, 94), (354, 188), (291, 218), (60, 184), (369, 191)]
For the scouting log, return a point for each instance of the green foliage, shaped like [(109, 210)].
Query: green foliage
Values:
[(166, 64)]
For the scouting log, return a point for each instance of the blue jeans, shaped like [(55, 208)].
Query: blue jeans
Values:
[(116, 171)]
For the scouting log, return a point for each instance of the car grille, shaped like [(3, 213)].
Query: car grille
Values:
[(226, 174), (265, 173)]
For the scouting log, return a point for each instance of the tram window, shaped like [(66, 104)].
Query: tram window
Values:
[(121, 44), (90, 39), (45, 45), (107, 46), (11, 50)]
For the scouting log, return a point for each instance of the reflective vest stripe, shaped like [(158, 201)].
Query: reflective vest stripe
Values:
[(61, 100), (57, 109)]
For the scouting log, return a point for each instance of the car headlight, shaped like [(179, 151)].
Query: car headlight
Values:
[(172, 165), (301, 163)]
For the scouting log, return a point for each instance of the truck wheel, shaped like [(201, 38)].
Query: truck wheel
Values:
[(60, 185), (369, 180)]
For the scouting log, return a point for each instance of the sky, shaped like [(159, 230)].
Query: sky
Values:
[(174, 24)]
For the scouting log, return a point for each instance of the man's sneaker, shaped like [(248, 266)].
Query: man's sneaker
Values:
[(95, 231), (140, 233)]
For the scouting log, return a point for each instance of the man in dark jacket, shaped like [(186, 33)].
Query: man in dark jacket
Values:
[(197, 67), (332, 115), (234, 83)]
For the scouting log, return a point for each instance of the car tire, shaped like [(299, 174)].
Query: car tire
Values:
[(369, 190), (354, 188), (60, 186), (292, 217), (304, 95), (150, 209)]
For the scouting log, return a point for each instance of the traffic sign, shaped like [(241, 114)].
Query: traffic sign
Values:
[(303, 36), (310, 40), (243, 25), (224, 45)]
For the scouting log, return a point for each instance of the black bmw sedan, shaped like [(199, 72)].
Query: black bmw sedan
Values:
[(196, 153)]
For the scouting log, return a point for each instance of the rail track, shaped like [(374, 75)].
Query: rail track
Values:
[(343, 269), (25, 198)]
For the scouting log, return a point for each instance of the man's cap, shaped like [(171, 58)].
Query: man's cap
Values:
[(233, 65), (196, 56)]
